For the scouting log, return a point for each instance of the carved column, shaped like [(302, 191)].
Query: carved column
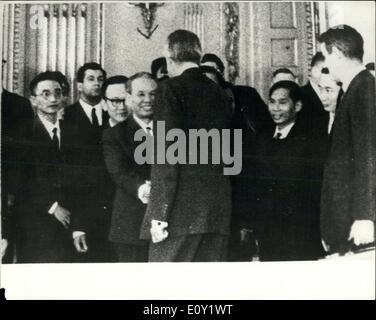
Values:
[(40, 37), (232, 34), (194, 20)]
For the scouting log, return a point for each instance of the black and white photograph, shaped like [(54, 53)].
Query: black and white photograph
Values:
[(188, 150)]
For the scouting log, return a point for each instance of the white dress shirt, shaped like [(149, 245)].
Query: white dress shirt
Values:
[(331, 120), (50, 127), (284, 131), (88, 109), (144, 125)]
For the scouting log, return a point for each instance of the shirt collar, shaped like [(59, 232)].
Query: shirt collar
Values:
[(142, 124), (112, 123), (49, 126), (284, 131), (350, 76), (87, 108)]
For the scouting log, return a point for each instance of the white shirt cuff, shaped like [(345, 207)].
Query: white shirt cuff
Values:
[(53, 208), (77, 234)]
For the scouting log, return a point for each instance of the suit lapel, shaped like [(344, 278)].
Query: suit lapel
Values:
[(131, 128), (40, 133), (81, 115)]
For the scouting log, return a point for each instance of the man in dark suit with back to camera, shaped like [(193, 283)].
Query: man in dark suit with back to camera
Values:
[(189, 211), (250, 114), (348, 198), (93, 187), (132, 180), (42, 176)]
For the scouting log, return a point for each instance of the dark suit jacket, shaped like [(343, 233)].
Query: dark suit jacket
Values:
[(93, 189), (287, 198), (192, 198), (251, 112), (313, 112), (128, 211), (349, 186), (251, 115), (42, 177), (14, 109)]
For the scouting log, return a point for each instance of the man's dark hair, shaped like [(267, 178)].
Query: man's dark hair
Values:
[(283, 70), (184, 46), (48, 75), (89, 66), (370, 66), (146, 75), (318, 57), (295, 92), (63, 82), (221, 81), (119, 79), (211, 57), (159, 63), (346, 39)]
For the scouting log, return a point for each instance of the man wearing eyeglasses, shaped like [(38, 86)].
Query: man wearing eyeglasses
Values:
[(114, 95), (132, 180), (42, 209)]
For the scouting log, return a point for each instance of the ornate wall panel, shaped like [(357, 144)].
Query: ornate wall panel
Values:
[(40, 37), (252, 38)]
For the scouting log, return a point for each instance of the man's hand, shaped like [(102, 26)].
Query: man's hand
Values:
[(63, 215), (80, 243), (10, 200), (158, 231), (3, 247), (144, 192), (362, 232)]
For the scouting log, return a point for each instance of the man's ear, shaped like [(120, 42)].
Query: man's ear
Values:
[(33, 101), (337, 52), (105, 105), (298, 106), (128, 101), (79, 86)]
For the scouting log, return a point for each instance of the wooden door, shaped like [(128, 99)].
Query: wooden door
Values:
[(284, 38)]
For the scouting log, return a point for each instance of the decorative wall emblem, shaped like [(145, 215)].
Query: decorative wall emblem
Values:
[(148, 11)]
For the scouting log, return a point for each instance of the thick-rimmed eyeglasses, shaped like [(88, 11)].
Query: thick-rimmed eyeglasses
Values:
[(116, 102), (58, 94)]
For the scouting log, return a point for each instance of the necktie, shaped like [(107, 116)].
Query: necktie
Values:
[(55, 139), (94, 118), (278, 136), (149, 131)]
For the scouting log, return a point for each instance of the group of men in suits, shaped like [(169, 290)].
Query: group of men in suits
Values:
[(87, 199)]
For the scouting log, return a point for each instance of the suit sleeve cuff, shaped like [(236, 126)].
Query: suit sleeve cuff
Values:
[(77, 234), (53, 207)]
